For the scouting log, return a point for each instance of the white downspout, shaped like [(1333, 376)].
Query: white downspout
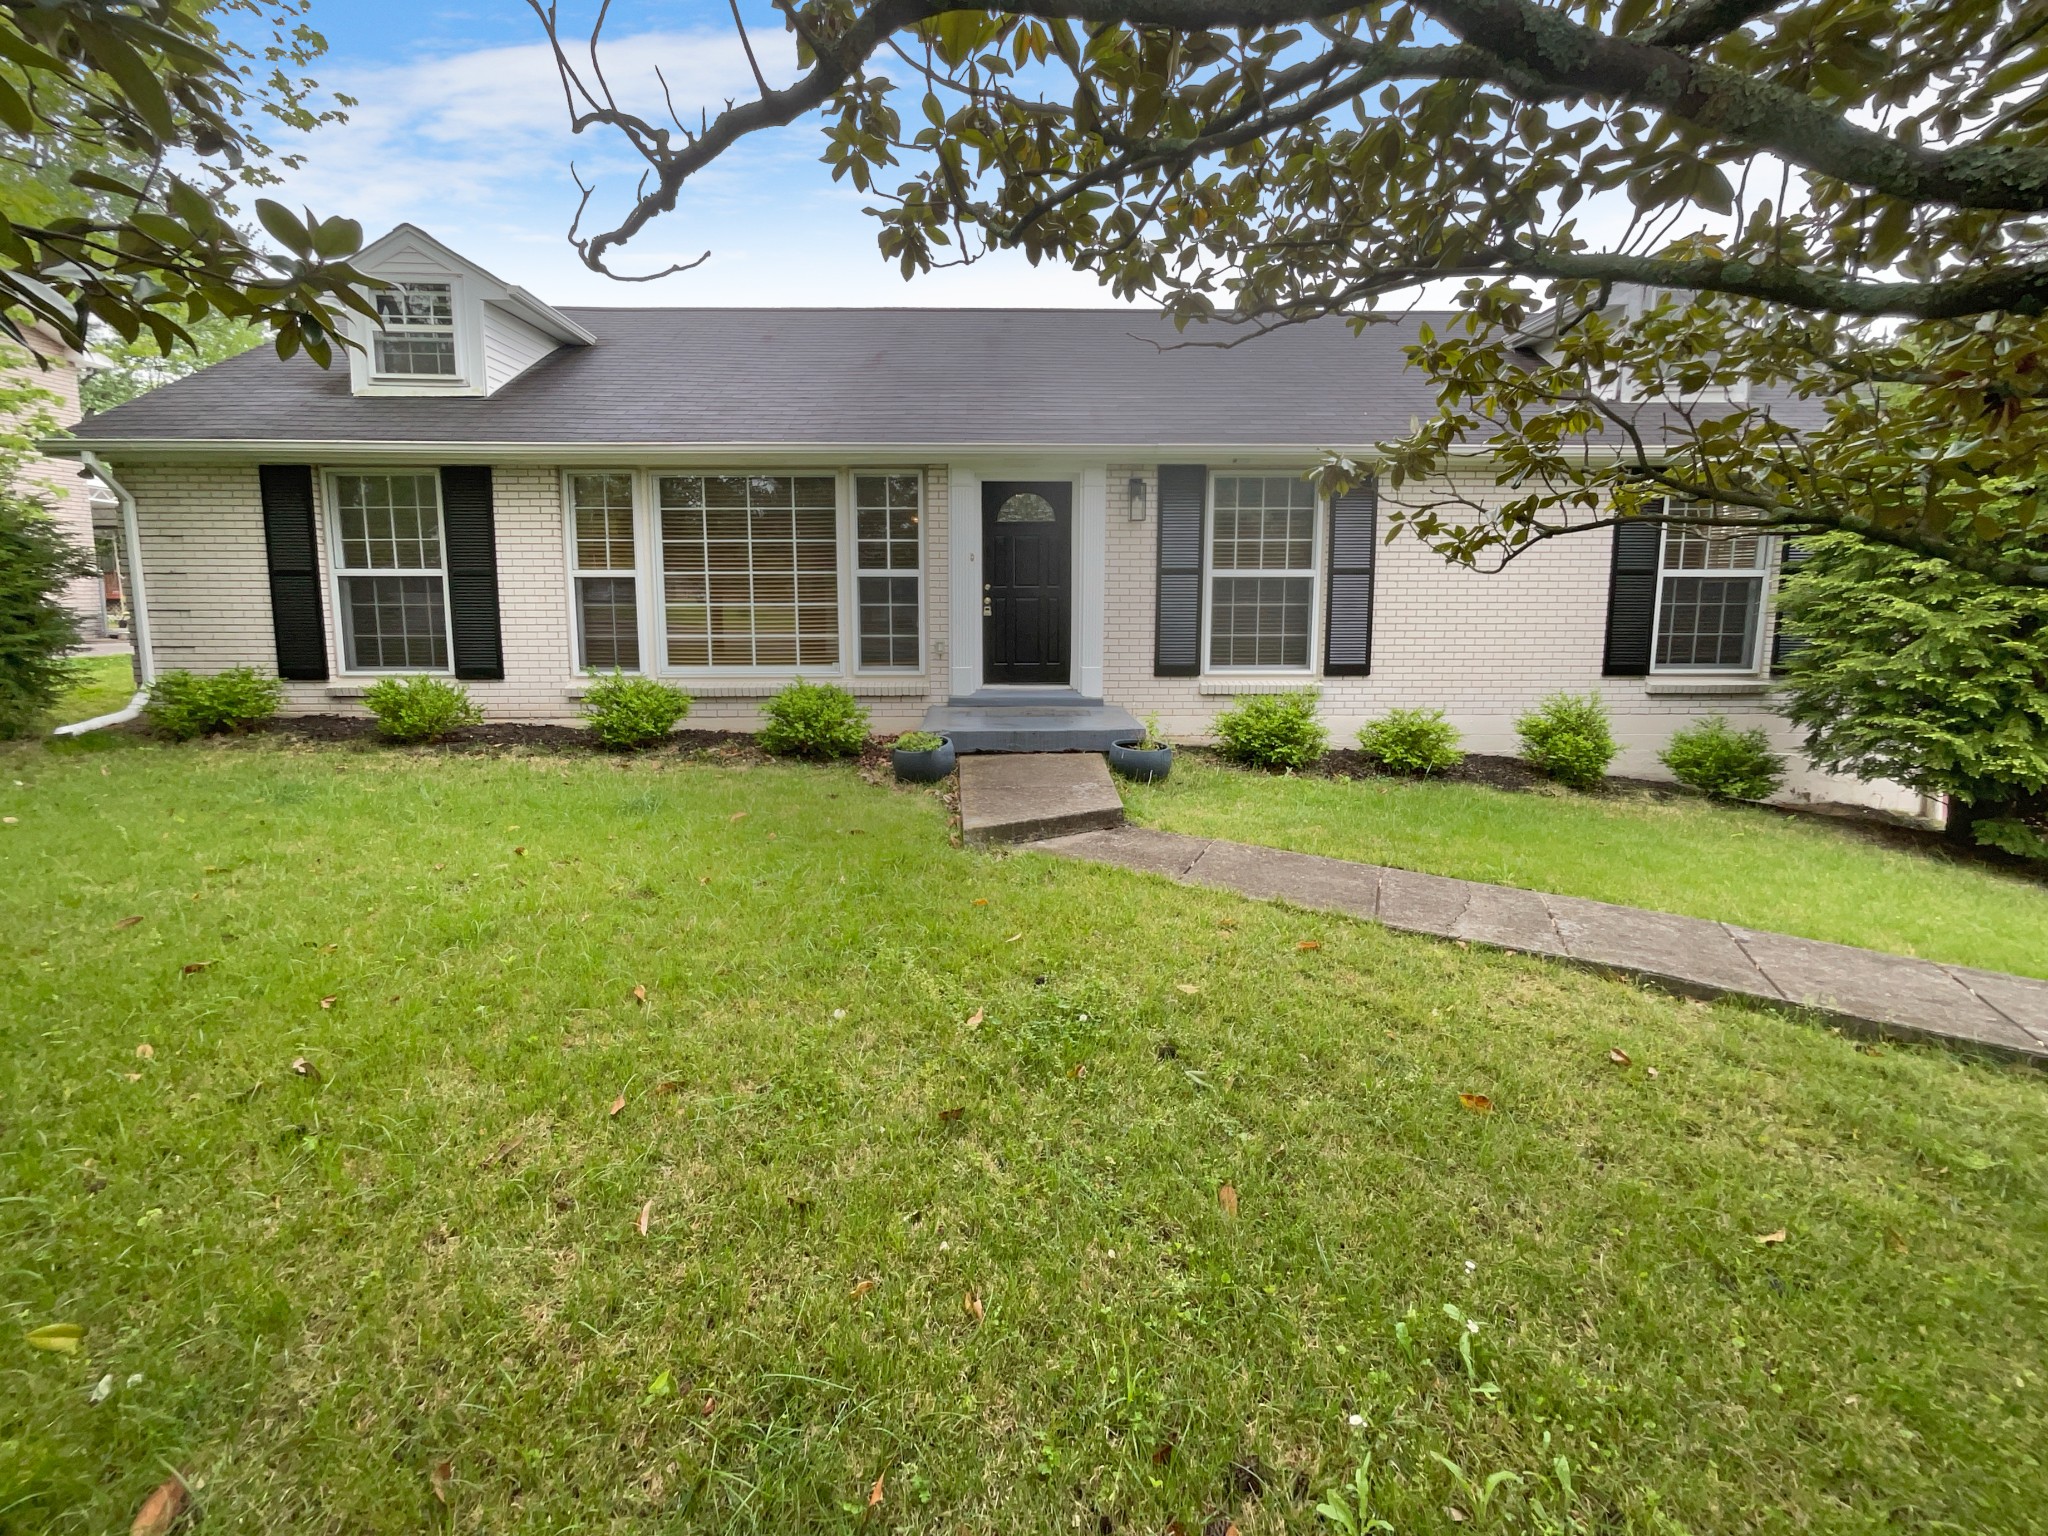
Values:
[(138, 604)]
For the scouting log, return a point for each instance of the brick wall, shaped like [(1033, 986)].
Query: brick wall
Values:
[(208, 582)]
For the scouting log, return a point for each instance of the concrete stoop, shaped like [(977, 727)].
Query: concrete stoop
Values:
[(1017, 797)]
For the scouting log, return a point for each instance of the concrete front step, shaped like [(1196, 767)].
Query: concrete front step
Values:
[(1032, 725), (1021, 797)]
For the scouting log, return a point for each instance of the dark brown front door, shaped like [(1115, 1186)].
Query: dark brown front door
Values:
[(1026, 565)]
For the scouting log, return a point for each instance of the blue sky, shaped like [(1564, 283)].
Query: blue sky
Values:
[(462, 129)]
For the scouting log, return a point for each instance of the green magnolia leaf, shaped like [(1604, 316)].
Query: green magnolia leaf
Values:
[(284, 226), (337, 237), (58, 1338), (14, 109)]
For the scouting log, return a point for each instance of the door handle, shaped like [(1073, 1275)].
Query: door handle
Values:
[(988, 608)]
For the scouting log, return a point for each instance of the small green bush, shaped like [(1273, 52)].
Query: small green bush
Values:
[(1273, 730), (814, 720), (1715, 757), (1566, 737), (420, 708), (183, 705), (633, 711), (1417, 741), (919, 741)]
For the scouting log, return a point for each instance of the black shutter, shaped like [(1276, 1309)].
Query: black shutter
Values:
[(1177, 634), (1632, 597), (471, 553), (1796, 554), (291, 548), (1354, 547)]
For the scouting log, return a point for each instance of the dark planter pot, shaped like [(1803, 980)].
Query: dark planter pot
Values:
[(923, 767), (1135, 762)]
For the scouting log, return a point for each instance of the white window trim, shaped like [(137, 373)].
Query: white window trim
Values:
[(638, 573), (455, 337), (1314, 572), (852, 544), (1768, 550), (339, 574)]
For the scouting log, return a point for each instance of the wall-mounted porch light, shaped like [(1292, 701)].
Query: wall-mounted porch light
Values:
[(1137, 499)]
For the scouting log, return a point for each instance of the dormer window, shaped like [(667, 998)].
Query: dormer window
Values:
[(418, 335)]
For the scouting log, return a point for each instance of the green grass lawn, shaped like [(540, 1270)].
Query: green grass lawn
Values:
[(1815, 878), (931, 1148), (105, 683)]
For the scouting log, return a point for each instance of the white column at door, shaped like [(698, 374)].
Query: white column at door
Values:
[(1091, 565), (964, 643)]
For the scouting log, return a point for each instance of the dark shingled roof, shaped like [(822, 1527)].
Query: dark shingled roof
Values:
[(842, 377)]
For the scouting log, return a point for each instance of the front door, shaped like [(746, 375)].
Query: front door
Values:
[(1027, 564)]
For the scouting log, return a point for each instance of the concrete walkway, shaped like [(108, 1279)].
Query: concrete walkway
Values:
[(1861, 988)]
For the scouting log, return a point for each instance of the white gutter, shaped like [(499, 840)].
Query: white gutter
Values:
[(138, 599)]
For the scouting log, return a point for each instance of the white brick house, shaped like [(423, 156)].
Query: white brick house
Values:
[(922, 505)]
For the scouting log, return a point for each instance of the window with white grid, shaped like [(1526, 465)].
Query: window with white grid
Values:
[(417, 339), (887, 570), (394, 604), (1710, 593), (750, 570), (606, 576), (1262, 571)]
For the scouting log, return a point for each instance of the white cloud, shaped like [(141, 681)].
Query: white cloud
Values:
[(476, 148)]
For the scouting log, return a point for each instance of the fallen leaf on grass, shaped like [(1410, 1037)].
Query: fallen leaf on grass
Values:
[(57, 1338), (974, 1019), (304, 1068), (971, 1305), (861, 1289), (667, 1090), (129, 922), (1458, 1516), (1309, 944), (1227, 1198), (330, 1000), (639, 994), (1651, 1071), (737, 816), (1162, 1454), (505, 1148), (948, 1116), (519, 852), (1186, 986), (160, 1511), (133, 1077), (617, 1104), (1618, 1056), (710, 1406), (646, 1215), (981, 901), (1772, 1239), (875, 1493), (439, 1476), (1478, 1103), (1013, 938), (195, 967), (145, 1051)]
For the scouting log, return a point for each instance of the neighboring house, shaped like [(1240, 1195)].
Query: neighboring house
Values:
[(56, 482), (1018, 508)]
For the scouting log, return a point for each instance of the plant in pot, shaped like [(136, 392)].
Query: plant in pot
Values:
[(1148, 759), (921, 757)]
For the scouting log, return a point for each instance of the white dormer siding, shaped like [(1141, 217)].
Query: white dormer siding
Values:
[(511, 346), (448, 326)]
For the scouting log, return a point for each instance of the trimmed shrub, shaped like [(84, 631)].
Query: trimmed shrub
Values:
[(1273, 730), (633, 711), (37, 632), (1714, 757), (183, 705), (420, 708), (1417, 741), (814, 720), (1566, 737)]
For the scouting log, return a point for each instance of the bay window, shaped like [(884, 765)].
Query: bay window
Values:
[(605, 573), (1262, 571), (1710, 593), (387, 539)]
